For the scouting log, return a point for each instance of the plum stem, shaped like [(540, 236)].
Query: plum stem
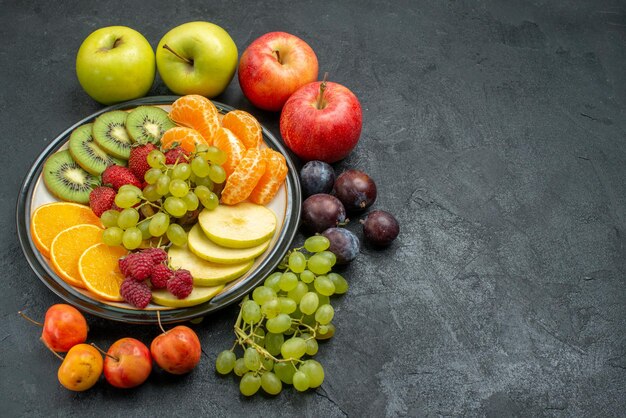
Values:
[(23, 315), (320, 99), (187, 60)]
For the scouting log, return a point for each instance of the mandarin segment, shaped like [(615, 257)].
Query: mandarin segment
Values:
[(244, 178), (274, 176), (68, 246), (99, 270), (197, 112), (225, 140), (50, 219), (187, 138), (245, 127)]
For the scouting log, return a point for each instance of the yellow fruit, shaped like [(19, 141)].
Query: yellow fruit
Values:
[(203, 247), (198, 295)]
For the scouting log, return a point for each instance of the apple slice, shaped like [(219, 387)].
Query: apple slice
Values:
[(203, 247), (196, 297), (243, 225), (206, 273)]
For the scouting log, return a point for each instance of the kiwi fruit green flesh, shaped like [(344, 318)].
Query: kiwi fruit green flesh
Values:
[(87, 153), (66, 180), (148, 124), (109, 132)]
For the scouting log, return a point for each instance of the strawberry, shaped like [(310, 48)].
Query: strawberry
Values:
[(138, 163), (101, 199), (176, 153), (117, 176)]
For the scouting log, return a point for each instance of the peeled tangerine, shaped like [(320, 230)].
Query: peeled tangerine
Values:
[(81, 368)]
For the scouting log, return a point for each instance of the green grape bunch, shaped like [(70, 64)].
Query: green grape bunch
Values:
[(278, 327)]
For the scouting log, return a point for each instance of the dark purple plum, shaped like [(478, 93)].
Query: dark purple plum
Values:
[(356, 190), (343, 243), (322, 211), (316, 177), (380, 228)]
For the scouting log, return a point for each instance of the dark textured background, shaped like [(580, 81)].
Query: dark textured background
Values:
[(495, 131)]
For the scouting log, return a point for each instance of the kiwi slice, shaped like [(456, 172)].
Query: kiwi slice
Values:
[(148, 124), (109, 131), (87, 153), (66, 180)]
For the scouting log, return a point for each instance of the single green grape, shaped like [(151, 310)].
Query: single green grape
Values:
[(297, 262), (271, 384), (297, 292), (249, 384), (175, 206), (211, 201), (177, 235), (181, 171), (293, 348), (191, 201), (217, 174), (309, 303), (216, 155), (324, 314), (131, 238), (307, 276), (152, 175), (144, 227), (203, 181), (163, 184), (273, 342), (300, 381), (225, 362), (288, 281), (128, 218), (155, 159), (279, 324), (287, 305), (341, 284), (250, 312), (262, 294), (158, 224), (240, 367), (314, 371), (311, 345), (316, 244), (200, 167), (150, 193), (112, 236), (129, 188), (324, 300), (325, 332), (202, 192), (259, 337), (319, 264), (252, 359), (271, 308), (201, 148), (127, 199), (324, 286), (285, 371), (330, 256), (272, 281), (109, 218), (178, 187)]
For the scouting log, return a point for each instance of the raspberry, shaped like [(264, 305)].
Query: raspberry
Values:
[(174, 154), (136, 293), (181, 284), (158, 254), (140, 266), (123, 264), (117, 176), (161, 274), (138, 162), (101, 199)]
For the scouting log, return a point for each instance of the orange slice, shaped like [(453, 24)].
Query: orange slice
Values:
[(274, 176), (245, 177), (225, 140), (99, 270), (50, 219), (187, 138), (245, 127), (197, 112), (67, 248)]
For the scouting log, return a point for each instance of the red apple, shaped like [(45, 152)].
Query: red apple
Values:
[(321, 121), (273, 67), (177, 351), (128, 363)]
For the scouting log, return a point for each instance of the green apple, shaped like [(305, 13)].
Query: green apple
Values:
[(203, 247), (197, 58), (114, 64), (197, 296)]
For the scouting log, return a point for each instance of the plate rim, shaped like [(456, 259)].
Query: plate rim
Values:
[(132, 316)]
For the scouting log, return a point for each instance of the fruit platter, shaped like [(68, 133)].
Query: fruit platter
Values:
[(225, 264)]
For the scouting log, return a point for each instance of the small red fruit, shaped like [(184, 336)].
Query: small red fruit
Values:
[(81, 368), (117, 176), (128, 363), (101, 199), (176, 154), (177, 351), (138, 161), (63, 328)]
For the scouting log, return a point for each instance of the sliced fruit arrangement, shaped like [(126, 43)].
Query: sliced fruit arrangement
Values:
[(154, 182)]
